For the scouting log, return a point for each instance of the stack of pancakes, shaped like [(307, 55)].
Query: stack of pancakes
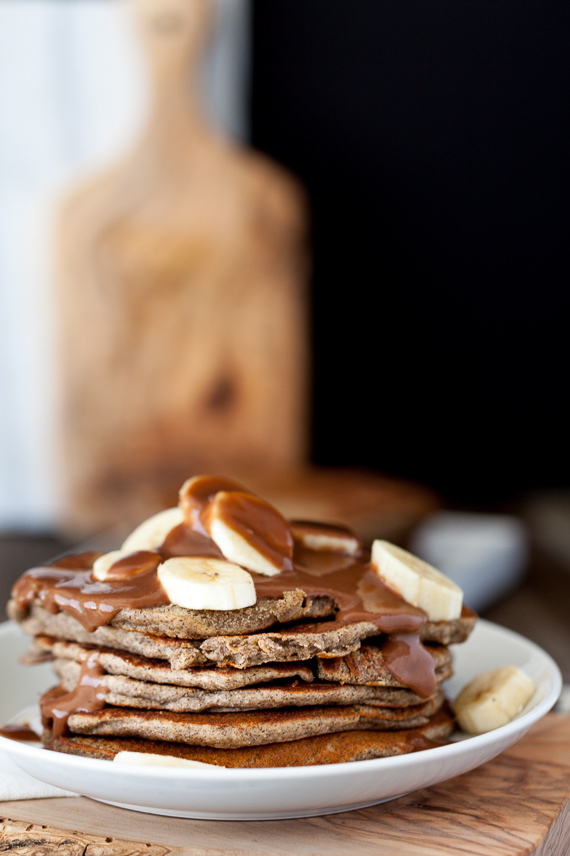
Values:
[(327, 665)]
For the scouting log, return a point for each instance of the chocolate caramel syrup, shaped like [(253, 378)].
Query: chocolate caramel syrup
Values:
[(68, 585), (88, 696), (361, 597), (18, 732), (91, 602)]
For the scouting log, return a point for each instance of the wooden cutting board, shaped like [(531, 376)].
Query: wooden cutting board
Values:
[(515, 805), (180, 287)]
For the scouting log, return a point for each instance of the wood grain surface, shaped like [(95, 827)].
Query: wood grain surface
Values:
[(180, 275), (516, 805), (33, 839)]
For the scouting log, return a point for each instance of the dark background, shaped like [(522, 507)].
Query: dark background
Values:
[(432, 138)]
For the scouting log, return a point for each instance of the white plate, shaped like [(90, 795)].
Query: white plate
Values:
[(223, 794)]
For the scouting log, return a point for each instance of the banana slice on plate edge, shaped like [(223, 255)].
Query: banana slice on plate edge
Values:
[(492, 699)]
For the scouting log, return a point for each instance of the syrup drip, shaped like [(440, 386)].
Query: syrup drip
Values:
[(18, 732), (88, 696)]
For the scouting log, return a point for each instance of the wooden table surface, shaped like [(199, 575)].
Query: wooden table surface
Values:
[(515, 805)]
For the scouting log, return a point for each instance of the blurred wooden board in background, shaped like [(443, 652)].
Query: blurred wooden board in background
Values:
[(181, 284), (371, 504), (180, 280)]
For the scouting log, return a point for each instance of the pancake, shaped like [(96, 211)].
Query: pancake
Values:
[(180, 653), (181, 623), (288, 643), (177, 622), (303, 641), (335, 748), (122, 691), (115, 662), (366, 666), (250, 728)]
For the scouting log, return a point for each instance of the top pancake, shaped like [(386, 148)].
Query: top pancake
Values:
[(180, 623)]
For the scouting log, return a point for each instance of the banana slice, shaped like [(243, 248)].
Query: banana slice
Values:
[(324, 538), (145, 759), (198, 491), (250, 532), (201, 583), (152, 532), (121, 564), (102, 564), (417, 582), (492, 699)]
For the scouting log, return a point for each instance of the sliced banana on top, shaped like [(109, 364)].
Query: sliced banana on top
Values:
[(492, 699), (323, 537), (201, 583), (417, 582), (145, 759), (250, 532), (152, 532), (103, 563), (198, 491), (122, 564)]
